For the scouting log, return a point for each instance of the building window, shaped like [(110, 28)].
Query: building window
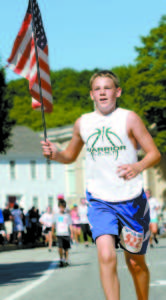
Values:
[(51, 201), (35, 201), (12, 169), (48, 169), (33, 169)]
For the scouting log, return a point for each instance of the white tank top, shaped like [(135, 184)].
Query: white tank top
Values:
[(107, 147)]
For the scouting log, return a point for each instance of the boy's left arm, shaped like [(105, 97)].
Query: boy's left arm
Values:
[(139, 133)]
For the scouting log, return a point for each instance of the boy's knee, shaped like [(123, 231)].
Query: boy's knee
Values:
[(108, 257), (136, 266)]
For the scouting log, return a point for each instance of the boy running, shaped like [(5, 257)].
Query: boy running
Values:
[(118, 208), (63, 228)]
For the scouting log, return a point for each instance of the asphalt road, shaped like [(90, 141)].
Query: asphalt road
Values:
[(34, 274)]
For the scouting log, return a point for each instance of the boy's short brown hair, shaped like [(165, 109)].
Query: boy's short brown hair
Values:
[(105, 73), (62, 202)]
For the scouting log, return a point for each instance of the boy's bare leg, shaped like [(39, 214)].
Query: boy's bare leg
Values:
[(108, 266), (140, 273), (50, 240), (66, 255), (60, 250)]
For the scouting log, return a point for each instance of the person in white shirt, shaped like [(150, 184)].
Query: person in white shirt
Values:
[(83, 214), (47, 220), (63, 224), (154, 209)]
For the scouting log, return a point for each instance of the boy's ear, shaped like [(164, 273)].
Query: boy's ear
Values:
[(91, 95), (118, 92)]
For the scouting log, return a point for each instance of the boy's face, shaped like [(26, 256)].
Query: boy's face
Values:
[(61, 208), (104, 94)]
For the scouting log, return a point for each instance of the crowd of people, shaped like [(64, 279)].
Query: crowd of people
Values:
[(17, 227), (20, 228)]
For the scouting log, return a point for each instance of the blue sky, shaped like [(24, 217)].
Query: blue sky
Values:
[(84, 34)]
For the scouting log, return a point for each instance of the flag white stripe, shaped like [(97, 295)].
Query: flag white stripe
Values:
[(43, 56), (45, 94), (43, 74), (26, 69), (33, 71), (23, 46)]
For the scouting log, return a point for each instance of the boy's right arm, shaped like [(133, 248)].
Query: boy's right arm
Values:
[(72, 151)]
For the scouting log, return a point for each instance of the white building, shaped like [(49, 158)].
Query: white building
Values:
[(26, 176)]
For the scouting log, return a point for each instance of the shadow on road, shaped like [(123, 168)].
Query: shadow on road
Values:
[(19, 272), (161, 247), (79, 265)]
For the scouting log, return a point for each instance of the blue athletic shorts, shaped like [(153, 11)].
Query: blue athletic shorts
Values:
[(127, 220)]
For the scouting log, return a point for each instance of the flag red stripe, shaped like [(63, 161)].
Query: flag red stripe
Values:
[(44, 66), (45, 101), (45, 85), (46, 50), (20, 36), (24, 58), (33, 58)]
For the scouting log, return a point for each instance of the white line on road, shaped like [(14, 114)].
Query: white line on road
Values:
[(37, 282), (158, 283)]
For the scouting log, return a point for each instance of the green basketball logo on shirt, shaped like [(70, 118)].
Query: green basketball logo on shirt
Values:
[(107, 136)]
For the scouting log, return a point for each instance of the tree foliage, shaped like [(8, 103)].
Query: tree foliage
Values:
[(6, 123), (148, 85)]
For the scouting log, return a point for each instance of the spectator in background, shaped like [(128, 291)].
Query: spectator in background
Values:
[(2, 228), (33, 219), (83, 214), (63, 223), (28, 228), (24, 225), (76, 227), (8, 222), (18, 227), (163, 221), (47, 221), (56, 206), (154, 208)]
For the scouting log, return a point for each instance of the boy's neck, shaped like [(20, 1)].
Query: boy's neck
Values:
[(107, 114)]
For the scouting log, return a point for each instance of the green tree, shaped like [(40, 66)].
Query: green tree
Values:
[(6, 123), (147, 86)]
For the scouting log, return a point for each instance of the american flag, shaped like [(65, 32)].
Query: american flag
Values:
[(23, 59)]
